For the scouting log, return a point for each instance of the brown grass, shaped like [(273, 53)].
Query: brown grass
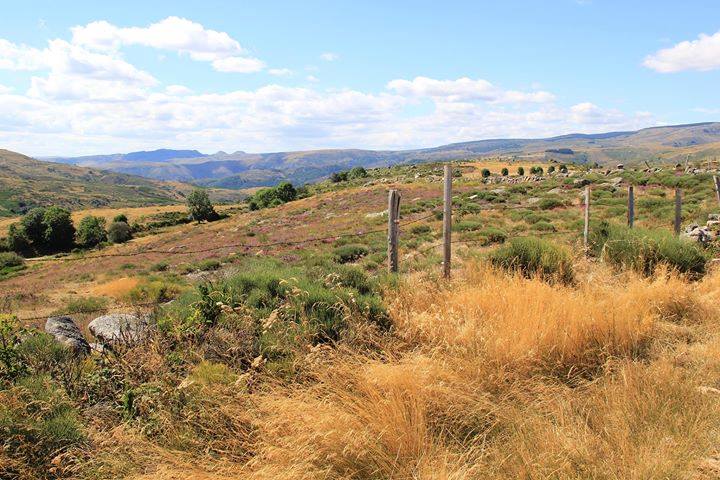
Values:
[(491, 376)]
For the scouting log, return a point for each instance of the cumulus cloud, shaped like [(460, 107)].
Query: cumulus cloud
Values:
[(702, 54), (464, 89), (280, 72), (175, 34)]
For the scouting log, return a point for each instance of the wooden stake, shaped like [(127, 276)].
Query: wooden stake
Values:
[(447, 220), (678, 210), (393, 229), (631, 206), (716, 179), (586, 230)]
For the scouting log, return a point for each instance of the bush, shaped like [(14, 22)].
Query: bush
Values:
[(485, 173), (338, 177), (10, 259), (533, 256), (644, 250), (550, 203), (91, 231), (200, 207), (121, 217), (17, 240), (563, 168), (272, 197), (119, 232), (33, 226), (420, 229), (357, 172), (505, 172), (551, 169), (521, 171), (350, 253)]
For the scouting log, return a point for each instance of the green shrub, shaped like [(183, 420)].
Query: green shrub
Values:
[(91, 231), (543, 227), (121, 217), (272, 197), (533, 256), (119, 232), (493, 235), (550, 203), (350, 253), (85, 305), (420, 229), (505, 172), (644, 250), (467, 226), (521, 171), (10, 259), (59, 229), (199, 206), (485, 173), (357, 172)]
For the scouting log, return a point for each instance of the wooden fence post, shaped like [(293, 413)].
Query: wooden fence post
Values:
[(678, 210), (393, 229), (447, 220), (716, 179), (586, 230), (631, 206)]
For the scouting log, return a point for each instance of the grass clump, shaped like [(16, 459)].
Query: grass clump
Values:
[(644, 250), (535, 257), (10, 263), (350, 253)]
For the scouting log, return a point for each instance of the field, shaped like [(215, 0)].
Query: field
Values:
[(284, 349)]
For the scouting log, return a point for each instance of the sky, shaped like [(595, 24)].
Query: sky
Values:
[(88, 77)]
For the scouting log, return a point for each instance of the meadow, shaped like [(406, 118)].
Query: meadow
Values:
[(284, 359)]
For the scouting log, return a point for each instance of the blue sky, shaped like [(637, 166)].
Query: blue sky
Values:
[(87, 77)]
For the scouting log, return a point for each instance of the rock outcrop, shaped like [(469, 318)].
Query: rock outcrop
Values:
[(66, 332)]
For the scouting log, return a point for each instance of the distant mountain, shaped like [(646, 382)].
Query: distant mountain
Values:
[(26, 183), (243, 170)]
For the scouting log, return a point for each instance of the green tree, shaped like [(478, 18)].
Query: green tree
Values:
[(17, 239), (200, 207), (339, 177), (357, 172), (563, 168), (551, 169), (119, 232), (91, 231), (521, 171), (485, 173), (285, 192), (59, 229), (505, 172), (121, 217), (33, 224)]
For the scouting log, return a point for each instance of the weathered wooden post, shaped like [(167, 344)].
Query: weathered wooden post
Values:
[(586, 230), (631, 206), (678, 210), (716, 179), (393, 229), (447, 220)]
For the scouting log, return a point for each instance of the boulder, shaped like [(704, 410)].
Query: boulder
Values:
[(66, 332), (581, 182), (714, 217), (119, 328)]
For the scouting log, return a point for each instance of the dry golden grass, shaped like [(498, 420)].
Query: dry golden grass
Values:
[(493, 376), (116, 289)]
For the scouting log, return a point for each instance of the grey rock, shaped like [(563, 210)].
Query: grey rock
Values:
[(714, 217), (66, 332), (581, 182), (119, 328)]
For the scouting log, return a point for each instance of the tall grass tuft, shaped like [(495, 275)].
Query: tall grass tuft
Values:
[(534, 256)]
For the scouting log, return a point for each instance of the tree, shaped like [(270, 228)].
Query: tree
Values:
[(339, 177), (285, 192), (521, 171), (91, 231), (59, 229), (563, 168), (200, 207), (119, 232), (551, 169), (121, 217), (485, 173), (357, 172), (17, 239), (505, 172), (33, 225)]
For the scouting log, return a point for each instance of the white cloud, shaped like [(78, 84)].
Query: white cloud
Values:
[(173, 33), (280, 72), (702, 54), (312, 78), (464, 89), (329, 56), (4, 89)]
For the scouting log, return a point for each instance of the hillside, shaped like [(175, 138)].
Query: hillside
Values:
[(281, 348), (244, 170), (26, 182)]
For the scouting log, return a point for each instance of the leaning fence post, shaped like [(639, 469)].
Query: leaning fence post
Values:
[(716, 179), (586, 230), (678, 210), (393, 229), (631, 206), (447, 220)]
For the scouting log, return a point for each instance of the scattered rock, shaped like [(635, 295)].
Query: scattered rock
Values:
[(581, 182), (119, 328), (66, 332)]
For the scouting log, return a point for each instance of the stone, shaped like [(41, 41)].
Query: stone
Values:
[(581, 182), (714, 217), (66, 332), (119, 328)]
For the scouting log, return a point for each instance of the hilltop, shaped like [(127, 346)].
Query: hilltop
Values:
[(243, 170), (26, 182)]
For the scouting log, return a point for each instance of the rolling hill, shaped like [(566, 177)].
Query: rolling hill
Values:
[(26, 182), (243, 170)]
